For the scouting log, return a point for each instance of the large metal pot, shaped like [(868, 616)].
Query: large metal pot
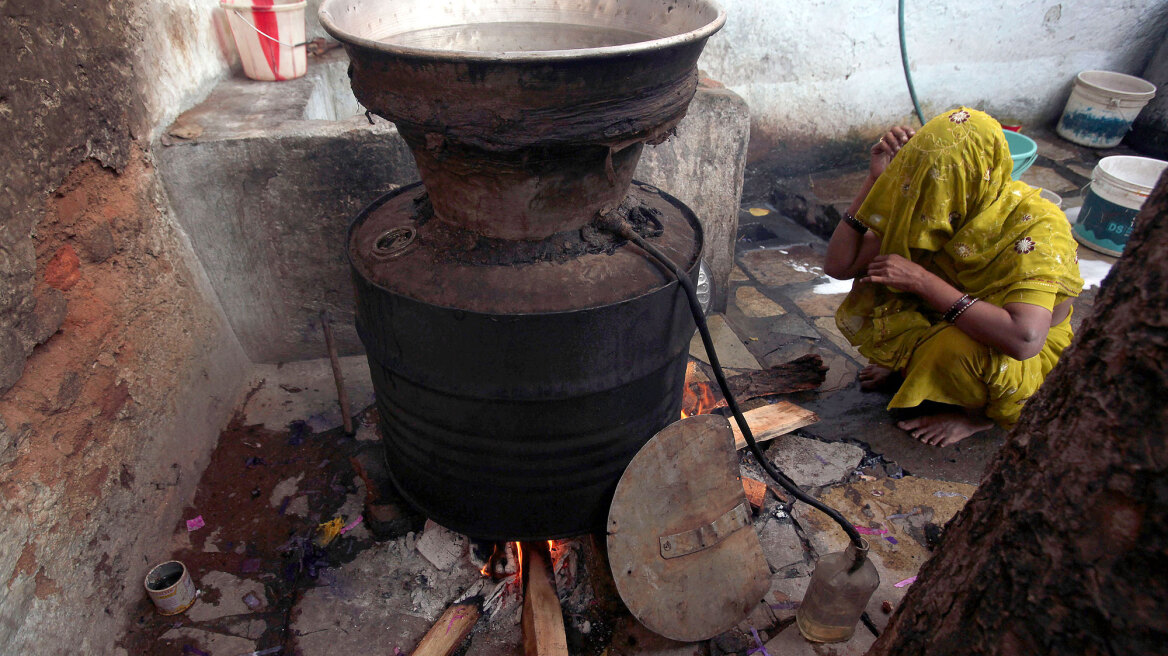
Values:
[(525, 117)]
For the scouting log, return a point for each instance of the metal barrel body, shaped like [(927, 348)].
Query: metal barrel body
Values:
[(518, 426)]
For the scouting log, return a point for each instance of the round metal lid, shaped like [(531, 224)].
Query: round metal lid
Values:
[(684, 554)]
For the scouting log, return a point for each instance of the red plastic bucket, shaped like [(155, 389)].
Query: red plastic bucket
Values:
[(269, 36)]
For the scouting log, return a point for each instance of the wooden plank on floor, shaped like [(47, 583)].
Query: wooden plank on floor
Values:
[(449, 631), (771, 421), (543, 619)]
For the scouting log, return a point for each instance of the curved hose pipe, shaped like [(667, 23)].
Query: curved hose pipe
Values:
[(622, 228), (904, 62)]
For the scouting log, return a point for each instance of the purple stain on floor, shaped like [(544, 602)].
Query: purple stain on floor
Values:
[(322, 422), (785, 605), (297, 432), (194, 651), (891, 539), (760, 649), (351, 525), (251, 601)]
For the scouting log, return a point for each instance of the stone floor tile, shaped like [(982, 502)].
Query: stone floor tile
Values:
[(902, 507), (811, 463), (1081, 169), (792, 643), (841, 373), (852, 414), (910, 510), (777, 267), (285, 489), (1054, 147), (753, 303), (786, 594), (736, 275), (212, 642), (790, 324), (826, 325), (780, 543), (732, 353), (230, 591), (815, 304), (1048, 178), (388, 596)]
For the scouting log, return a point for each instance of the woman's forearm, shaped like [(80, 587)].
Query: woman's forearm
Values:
[(848, 251), (1019, 330)]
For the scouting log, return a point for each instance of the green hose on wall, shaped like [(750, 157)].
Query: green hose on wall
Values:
[(904, 61)]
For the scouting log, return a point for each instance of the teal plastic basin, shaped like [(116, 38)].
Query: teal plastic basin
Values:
[(1023, 150)]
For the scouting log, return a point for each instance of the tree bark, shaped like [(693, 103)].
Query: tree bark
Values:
[(1064, 547)]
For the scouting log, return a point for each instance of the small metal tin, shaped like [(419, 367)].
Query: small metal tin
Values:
[(170, 587)]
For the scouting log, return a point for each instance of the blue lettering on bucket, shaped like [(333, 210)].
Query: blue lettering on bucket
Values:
[(1093, 125), (1104, 225)]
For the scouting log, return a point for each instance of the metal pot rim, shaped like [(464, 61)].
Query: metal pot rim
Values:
[(534, 56)]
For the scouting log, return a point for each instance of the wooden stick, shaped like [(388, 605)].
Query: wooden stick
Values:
[(543, 620), (449, 631), (803, 374), (342, 395), (771, 421)]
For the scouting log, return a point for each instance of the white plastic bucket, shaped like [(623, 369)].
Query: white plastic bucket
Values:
[(1119, 186), (1052, 197), (270, 37), (1102, 107)]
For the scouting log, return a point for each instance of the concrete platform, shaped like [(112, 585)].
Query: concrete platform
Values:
[(265, 177)]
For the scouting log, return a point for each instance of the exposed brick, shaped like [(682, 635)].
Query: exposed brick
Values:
[(64, 270)]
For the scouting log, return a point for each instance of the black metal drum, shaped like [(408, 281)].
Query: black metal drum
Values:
[(516, 380)]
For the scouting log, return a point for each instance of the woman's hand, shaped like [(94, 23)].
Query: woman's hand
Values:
[(898, 273), (884, 150)]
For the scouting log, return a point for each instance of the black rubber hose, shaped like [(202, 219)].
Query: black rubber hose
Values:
[(625, 230)]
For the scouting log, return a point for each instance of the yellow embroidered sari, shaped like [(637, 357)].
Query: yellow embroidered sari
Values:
[(947, 203)]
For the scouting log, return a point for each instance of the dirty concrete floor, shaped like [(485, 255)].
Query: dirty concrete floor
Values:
[(284, 466)]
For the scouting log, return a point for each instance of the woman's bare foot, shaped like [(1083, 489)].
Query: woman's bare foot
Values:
[(875, 377), (945, 428)]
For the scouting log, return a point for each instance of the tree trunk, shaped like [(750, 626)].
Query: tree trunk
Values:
[(1064, 547)]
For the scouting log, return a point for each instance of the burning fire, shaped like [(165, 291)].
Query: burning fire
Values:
[(507, 559), (504, 561), (698, 397)]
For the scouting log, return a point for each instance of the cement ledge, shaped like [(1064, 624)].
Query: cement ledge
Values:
[(264, 177)]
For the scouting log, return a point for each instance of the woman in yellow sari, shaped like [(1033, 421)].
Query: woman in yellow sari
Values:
[(964, 277)]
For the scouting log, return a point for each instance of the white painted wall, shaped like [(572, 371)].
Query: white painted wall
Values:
[(186, 47), (820, 69), (812, 71)]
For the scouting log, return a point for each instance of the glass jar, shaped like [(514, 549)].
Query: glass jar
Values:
[(840, 588)]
